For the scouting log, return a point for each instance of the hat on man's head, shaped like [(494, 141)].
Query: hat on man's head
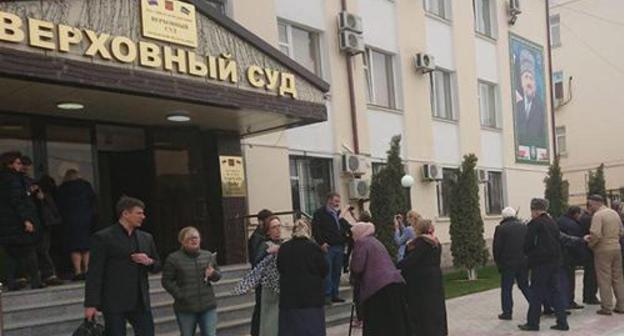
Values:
[(509, 212), (539, 204), (596, 198), (527, 62)]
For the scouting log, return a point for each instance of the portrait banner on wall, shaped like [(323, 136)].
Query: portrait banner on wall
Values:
[(528, 87)]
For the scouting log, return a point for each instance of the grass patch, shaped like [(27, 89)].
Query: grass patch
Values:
[(457, 284)]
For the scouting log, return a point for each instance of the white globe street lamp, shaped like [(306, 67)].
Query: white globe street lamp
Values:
[(407, 181)]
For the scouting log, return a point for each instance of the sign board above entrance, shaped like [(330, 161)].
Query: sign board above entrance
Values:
[(169, 21)]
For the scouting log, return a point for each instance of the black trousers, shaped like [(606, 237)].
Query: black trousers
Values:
[(46, 265), (546, 288), (22, 258), (255, 318), (141, 321), (521, 277), (590, 283)]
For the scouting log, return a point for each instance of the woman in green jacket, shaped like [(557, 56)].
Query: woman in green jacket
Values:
[(187, 276)]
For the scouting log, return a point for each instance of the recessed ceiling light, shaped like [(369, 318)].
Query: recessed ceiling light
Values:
[(70, 106), (178, 117)]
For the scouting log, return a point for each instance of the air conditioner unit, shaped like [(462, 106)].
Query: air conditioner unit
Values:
[(351, 43), (432, 172), (424, 62), (484, 177), (514, 7), (359, 189), (354, 164), (350, 22)]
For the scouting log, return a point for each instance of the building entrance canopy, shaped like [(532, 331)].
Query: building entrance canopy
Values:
[(135, 61)]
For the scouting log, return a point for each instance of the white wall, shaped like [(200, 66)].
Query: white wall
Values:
[(446, 143), (383, 126), (440, 43), (491, 149), (380, 26), (313, 138), (487, 62), (308, 13)]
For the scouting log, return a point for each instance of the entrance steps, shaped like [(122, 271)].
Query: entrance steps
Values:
[(57, 311)]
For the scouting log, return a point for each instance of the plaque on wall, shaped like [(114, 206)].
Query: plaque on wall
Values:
[(232, 176), (170, 21)]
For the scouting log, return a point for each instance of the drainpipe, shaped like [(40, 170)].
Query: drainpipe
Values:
[(353, 108), (550, 73)]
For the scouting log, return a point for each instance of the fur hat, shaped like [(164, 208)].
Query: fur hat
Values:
[(527, 62)]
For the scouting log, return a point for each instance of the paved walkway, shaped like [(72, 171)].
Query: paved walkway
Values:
[(476, 315)]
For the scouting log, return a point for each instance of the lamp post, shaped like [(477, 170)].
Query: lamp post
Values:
[(407, 181)]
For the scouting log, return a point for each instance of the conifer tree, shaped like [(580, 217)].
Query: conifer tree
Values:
[(596, 182), (556, 190)]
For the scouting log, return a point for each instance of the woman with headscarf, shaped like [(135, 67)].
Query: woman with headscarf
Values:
[(302, 267), (380, 283), (425, 292)]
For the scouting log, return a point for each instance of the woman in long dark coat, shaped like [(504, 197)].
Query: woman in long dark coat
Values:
[(76, 202), (425, 290), (302, 268)]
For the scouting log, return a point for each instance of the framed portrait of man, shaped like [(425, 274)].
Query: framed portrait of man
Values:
[(529, 101)]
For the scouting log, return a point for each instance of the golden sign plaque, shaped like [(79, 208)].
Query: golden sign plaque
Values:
[(170, 21), (232, 176)]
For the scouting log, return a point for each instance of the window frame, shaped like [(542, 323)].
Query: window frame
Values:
[(443, 199), (561, 133), (391, 77), (493, 33), (433, 101), (488, 189), (557, 79), (554, 43), (446, 6), (303, 186), (496, 105), (289, 44)]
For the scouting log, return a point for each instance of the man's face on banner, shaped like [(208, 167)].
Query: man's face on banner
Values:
[(528, 84)]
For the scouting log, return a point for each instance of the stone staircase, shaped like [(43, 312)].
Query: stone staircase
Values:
[(57, 311)]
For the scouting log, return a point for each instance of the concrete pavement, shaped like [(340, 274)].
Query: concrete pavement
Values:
[(476, 315)]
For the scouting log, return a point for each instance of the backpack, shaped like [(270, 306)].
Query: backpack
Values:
[(89, 328)]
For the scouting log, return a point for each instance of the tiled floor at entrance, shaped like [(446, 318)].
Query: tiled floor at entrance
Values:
[(476, 315)]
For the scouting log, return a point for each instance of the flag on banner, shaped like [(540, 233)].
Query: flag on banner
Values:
[(168, 5), (153, 2), (185, 10)]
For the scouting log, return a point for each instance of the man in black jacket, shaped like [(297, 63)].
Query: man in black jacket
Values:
[(117, 283), (543, 250), (510, 259), (572, 255), (329, 234), (590, 283)]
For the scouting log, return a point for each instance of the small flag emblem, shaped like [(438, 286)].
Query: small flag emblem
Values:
[(153, 2), (168, 5), (185, 10)]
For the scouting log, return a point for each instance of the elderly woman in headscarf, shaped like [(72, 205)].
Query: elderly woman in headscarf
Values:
[(302, 267), (425, 291), (380, 285)]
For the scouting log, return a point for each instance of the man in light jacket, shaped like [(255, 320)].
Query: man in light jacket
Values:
[(604, 239)]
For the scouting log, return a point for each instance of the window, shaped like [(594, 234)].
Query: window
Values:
[(558, 86), (301, 45), (494, 193), (560, 133), (218, 5), (310, 180), (488, 105), (449, 176), (442, 95), (555, 31), (484, 17), (441, 8), (379, 72)]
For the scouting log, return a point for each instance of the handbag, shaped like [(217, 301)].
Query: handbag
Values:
[(89, 328)]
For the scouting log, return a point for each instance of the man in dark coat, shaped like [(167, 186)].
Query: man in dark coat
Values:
[(18, 222), (117, 283), (508, 250), (590, 283), (572, 255), (530, 110), (329, 234), (254, 242), (543, 250)]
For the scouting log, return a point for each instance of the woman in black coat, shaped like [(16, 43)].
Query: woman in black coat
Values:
[(425, 291), (76, 202), (18, 222), (302, 268)]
